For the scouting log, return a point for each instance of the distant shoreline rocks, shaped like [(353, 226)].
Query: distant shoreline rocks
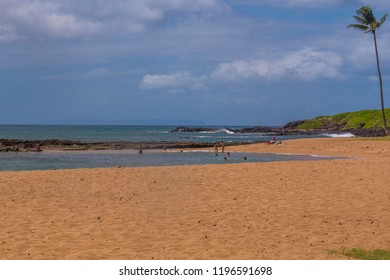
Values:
[(288, 129), (15, 145), (363, 123)]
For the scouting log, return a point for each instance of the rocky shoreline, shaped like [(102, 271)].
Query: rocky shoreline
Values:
[(289, 129), (15, 145)]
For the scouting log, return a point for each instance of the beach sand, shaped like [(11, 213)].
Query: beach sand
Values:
[(277, 210)]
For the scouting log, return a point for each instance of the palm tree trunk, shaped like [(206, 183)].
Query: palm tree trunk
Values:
[(380, 84)]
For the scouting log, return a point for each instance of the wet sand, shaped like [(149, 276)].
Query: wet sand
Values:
[(277, 210)]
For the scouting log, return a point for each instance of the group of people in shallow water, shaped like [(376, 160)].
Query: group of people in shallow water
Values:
[(222, 145), (216, 146)]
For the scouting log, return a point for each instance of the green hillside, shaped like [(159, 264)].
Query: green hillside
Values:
[(350, 120)]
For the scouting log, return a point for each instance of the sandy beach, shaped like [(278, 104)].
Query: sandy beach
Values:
[(277, 210)]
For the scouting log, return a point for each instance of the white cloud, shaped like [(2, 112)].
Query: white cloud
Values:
[(175, 81), (358, 51), (306, 64), (44, 19)]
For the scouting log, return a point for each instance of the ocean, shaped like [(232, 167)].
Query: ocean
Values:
[(134, 133), (50, 160)]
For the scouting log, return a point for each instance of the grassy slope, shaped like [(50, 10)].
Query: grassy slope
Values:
[(361, 254), (370, 119)]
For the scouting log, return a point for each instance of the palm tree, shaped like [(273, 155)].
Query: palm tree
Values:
[(366, 22)]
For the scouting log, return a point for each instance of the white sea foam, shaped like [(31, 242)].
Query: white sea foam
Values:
[(339, 135), (228, 131), (223, 130)]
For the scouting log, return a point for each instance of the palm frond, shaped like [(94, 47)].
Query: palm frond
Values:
[(382, 20), (361, 20), (366, 20), (359, 27), (367, 14)]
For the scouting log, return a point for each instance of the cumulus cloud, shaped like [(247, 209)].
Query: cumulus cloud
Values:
[(176, 81), (42, 19), (306, 64)]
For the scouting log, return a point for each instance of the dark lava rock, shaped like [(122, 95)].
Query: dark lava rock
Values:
[(368, 132), (257, 129), (193, 129), (293, 125)]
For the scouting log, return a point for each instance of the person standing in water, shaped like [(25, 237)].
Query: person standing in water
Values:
[(216, 148), (222, 147), (38, 147)]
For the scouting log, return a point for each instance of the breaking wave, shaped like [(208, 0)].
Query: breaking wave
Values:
[(222, 130), (339, 135)]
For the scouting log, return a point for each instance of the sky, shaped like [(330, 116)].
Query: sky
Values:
[(178, 62)]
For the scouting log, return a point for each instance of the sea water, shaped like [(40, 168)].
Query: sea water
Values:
[(146, 133), (134, 133), (16, 161)]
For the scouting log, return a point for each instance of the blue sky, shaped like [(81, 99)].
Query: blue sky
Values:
[(212, 62)]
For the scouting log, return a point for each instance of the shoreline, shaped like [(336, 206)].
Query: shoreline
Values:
[(16, 145), (275, 210), (91, 159)]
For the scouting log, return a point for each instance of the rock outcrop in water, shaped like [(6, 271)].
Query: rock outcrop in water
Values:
[(14, 145), (289, 129), (194, 129)]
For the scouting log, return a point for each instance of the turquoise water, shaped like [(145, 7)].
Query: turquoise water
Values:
[(15, 161)]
